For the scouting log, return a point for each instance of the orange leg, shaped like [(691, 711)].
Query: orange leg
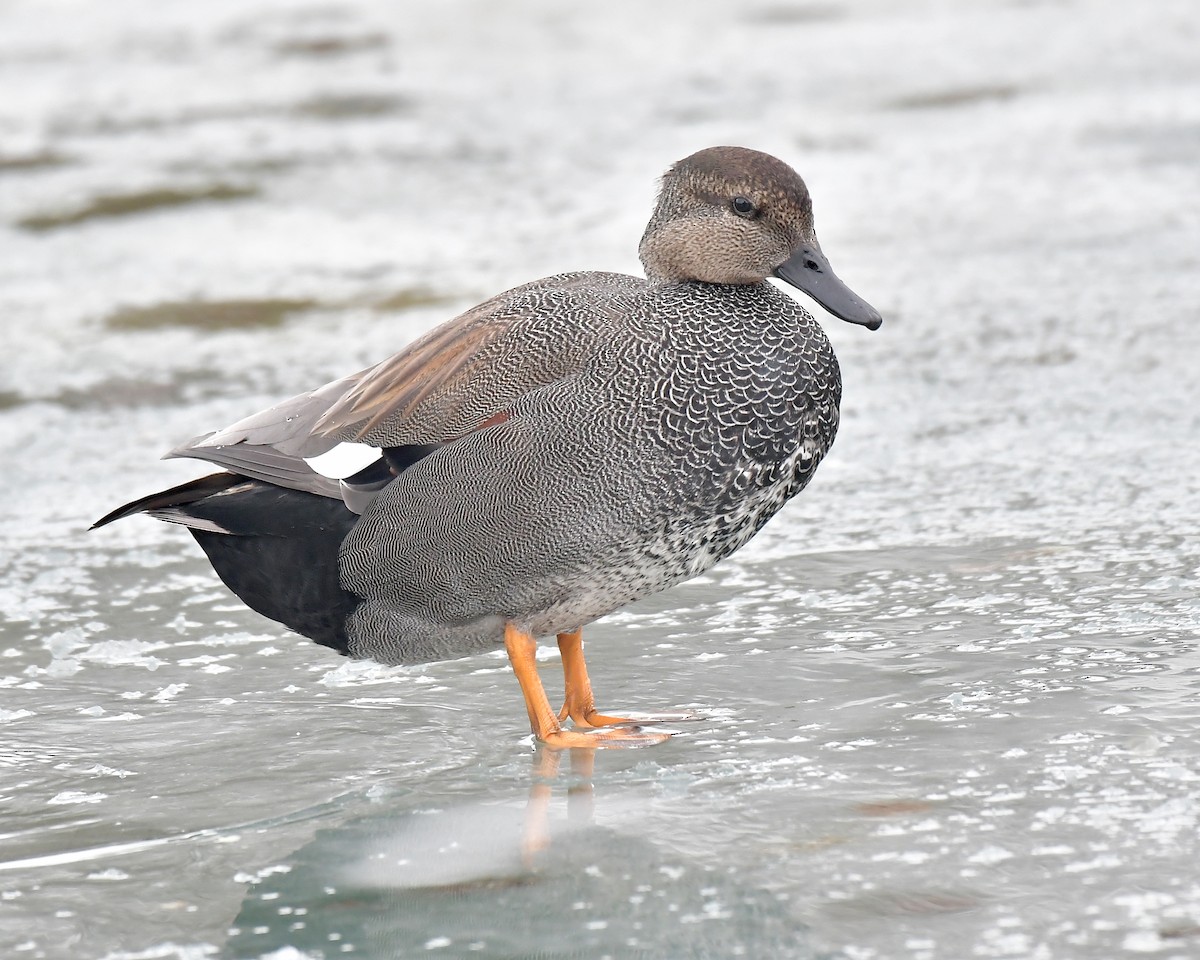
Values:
[(579, 703), (522, 652)]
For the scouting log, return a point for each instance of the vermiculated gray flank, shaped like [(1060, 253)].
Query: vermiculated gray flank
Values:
[(686, 418), (552, 454)]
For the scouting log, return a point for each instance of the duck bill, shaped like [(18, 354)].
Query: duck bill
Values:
[(809, 271)]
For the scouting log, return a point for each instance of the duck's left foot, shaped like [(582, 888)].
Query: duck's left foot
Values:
[(589, 718), (580, 704)]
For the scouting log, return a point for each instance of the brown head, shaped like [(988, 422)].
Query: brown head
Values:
[(738, 216)]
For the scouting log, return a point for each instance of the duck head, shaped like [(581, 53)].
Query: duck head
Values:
[(737, 216)]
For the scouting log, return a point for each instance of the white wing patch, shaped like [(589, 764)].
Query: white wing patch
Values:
[(344, 460)]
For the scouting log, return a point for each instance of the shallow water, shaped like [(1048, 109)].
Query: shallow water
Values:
[(949, 694)]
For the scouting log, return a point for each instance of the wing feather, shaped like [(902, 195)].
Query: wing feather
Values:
[(455, 379)]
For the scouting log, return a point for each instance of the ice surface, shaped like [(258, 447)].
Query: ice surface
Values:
[(950, 693)]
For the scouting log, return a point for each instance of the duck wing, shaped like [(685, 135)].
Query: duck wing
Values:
[(454, 380)]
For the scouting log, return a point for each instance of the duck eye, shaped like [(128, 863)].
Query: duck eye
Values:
[(743, 207)]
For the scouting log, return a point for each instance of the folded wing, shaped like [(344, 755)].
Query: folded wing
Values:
[(456, 379)]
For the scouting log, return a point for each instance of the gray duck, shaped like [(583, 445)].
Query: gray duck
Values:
[(549, 456)]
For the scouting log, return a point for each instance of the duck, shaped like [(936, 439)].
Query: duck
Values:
[(549, 456)]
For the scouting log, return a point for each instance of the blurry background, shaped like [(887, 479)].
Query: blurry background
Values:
[(951, 691)]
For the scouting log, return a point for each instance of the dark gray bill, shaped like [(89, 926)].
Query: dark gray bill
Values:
[(808, 270)]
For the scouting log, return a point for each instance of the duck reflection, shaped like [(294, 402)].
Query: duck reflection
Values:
[(512, 880), (535, 837)]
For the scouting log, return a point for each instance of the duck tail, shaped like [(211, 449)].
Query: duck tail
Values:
[(277, 549)]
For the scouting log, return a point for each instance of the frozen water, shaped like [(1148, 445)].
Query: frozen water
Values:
[(951, 692)]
